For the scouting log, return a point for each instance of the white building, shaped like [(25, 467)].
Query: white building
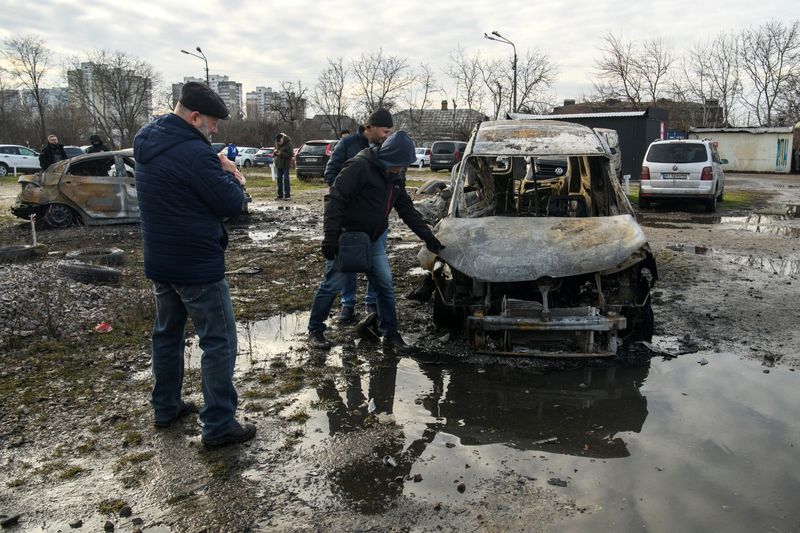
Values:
[(751, 149), (261, 102), (230, 92)]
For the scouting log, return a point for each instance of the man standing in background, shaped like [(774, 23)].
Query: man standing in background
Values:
[(284, 152)]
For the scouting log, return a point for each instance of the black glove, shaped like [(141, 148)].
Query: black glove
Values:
[(434, 245), (329, 247)]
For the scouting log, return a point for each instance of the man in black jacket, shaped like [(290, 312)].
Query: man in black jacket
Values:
[(377, 129), (97, 145), (362, 197), (52, 152)]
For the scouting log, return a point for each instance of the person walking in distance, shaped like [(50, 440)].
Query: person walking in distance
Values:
[(185, 190), (284, 152), (373, 133)]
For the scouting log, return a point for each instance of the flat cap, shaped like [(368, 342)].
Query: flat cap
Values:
[(199, 97), (380, 118)]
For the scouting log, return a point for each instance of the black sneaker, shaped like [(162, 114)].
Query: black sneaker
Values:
[(240, 433), (347, 314), (186, 409), (279, 197), (396, 343), (316, 339), (372, 308), (287, 197)]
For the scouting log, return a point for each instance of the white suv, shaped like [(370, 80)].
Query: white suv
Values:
[(685, 170), (19, 157), (246, 156)]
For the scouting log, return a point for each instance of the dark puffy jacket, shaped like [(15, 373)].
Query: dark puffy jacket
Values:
[(50, 154), (346, 149), (362, 197), (183, 196), (283, 154)]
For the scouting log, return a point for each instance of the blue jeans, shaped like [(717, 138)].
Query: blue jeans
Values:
[(209, 306), (284, 189), (380, 277), (351, 286)]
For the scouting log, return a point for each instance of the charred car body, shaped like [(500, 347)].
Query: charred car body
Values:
[(91, 189), (549, 265)]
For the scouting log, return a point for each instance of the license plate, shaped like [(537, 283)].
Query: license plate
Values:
[(674, 175), (312, 159)]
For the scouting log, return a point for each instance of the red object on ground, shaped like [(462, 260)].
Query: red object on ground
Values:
[(103, 327)]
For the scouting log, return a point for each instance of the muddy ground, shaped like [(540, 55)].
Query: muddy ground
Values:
[(358, 440)]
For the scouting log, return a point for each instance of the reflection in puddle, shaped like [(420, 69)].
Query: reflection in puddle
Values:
[(267, 208), (260, 340), (613, 435), (772, 224), (772, 265)]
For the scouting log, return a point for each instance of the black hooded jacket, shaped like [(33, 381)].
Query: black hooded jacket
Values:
[(362, 197), (51, 153)]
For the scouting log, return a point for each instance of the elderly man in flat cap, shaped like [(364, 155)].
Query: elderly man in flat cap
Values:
[(185, 191)]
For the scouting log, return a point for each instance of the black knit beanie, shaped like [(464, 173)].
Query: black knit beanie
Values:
[(380, 118)]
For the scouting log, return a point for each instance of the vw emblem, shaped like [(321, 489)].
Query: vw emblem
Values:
[(674, 167), (559, 171)]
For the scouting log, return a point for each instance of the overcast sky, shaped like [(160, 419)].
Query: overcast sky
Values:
[(264, 42)]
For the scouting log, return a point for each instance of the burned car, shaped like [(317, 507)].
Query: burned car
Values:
[(91, 189), (539, 263)]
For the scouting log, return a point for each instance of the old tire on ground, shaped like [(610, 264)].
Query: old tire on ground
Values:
[(432, 186), (19, 252), (60, 216), (87, 273), (100, 256)]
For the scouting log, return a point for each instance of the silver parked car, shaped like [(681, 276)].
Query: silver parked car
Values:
[(682, 170), (537, 262)]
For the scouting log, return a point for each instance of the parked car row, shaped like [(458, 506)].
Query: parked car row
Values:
[(27, 159)]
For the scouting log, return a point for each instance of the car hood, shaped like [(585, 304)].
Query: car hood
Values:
[(506, 249)]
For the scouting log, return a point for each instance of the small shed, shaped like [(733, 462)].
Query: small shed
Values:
[(636, 130), (751, 149)]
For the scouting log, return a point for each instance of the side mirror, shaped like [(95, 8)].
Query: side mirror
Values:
[(723, 161)]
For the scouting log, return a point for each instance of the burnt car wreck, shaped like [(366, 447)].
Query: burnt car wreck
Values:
[(536, 262)]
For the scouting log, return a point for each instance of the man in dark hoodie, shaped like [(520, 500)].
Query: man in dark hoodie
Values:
[(97, 145), (52, 152), (185, 190), (283, 154), (361, 199), (373, 133)]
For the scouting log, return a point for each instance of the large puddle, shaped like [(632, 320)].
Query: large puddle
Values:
[(672, 445), (782, 266), (781, 221)]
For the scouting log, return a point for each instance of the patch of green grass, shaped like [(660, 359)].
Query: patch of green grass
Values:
[(265, 379), (133, 438), (70, 472), (86, 447), (111, 506), (258, 394), (123, 426), (290, 385), (133, 459), (300, 417), (219, 469), (118, 375), (48, 468)]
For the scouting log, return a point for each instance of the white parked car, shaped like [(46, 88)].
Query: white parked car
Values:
[(687, 169), (423, 157), (246, 156), (19, 157)]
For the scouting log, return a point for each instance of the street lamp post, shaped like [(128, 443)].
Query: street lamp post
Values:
[(203, 57), (495, 36)]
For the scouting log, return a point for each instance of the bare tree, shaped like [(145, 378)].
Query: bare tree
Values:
[(290, 105), (28, 59), (535, 76), (115, 90), (494, 81), (381, 80), (653, 63), (618, 70), (465, 71), (329, 94), (726, 73), (418, 98), (770, 57)]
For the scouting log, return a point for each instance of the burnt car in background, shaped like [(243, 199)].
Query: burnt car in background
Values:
[(539, 262), (91, 189)]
